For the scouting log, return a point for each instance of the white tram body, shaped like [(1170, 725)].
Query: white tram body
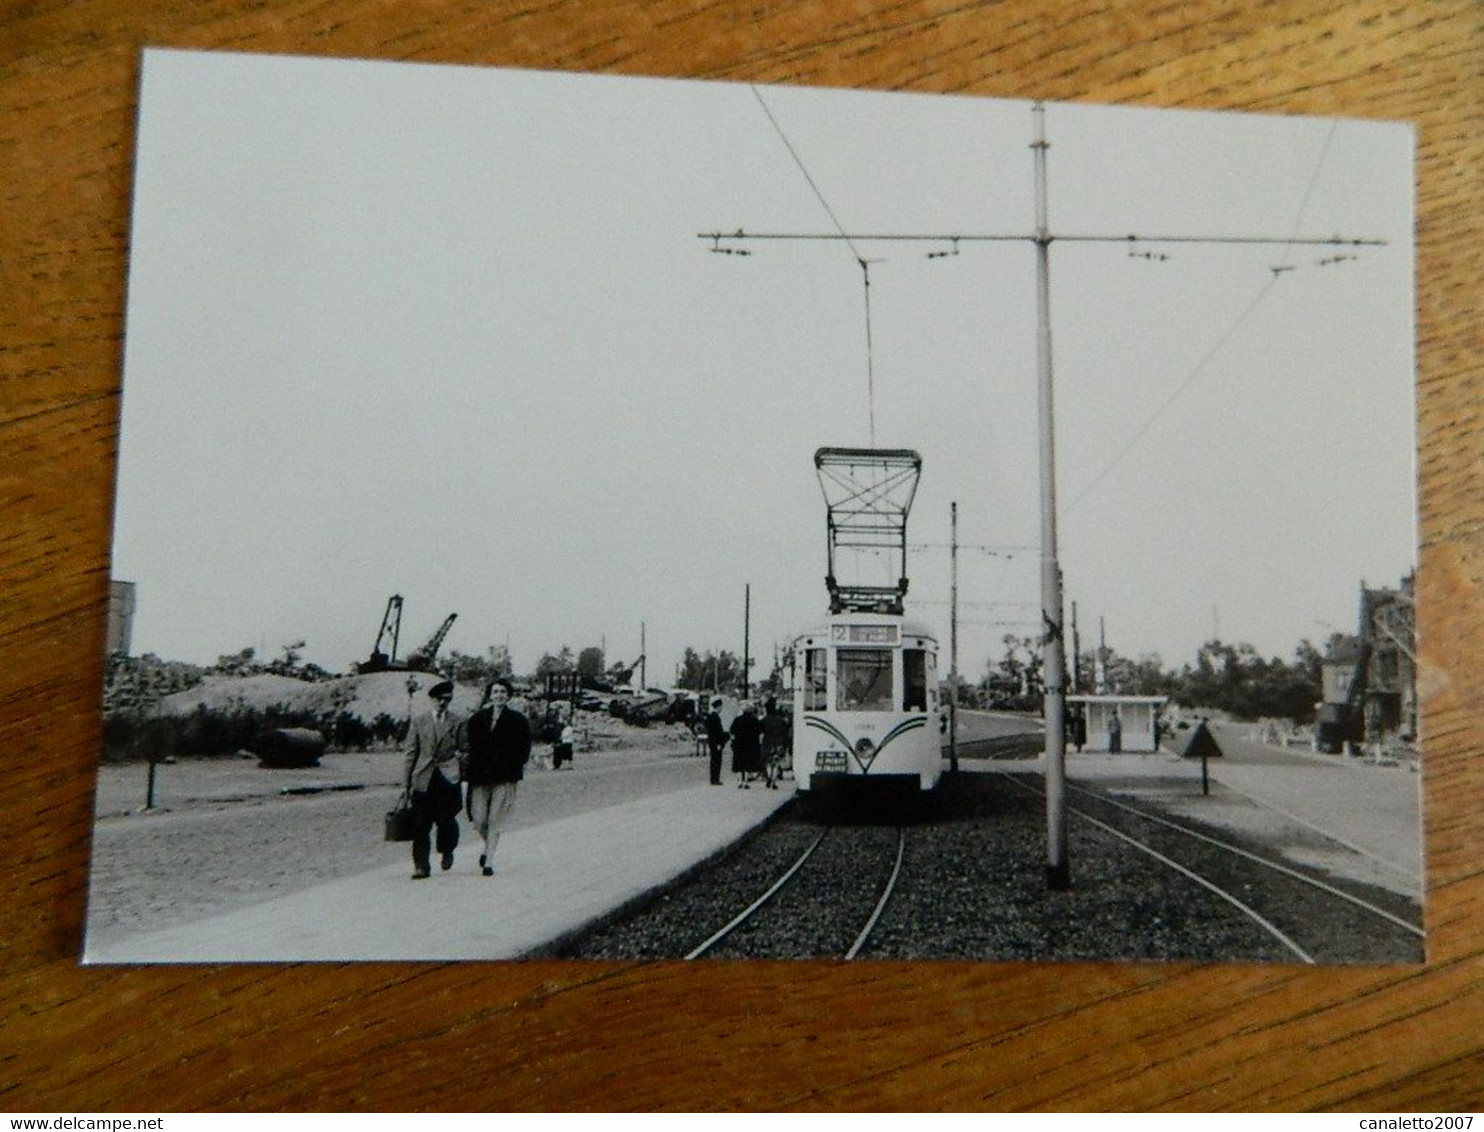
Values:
[(865, 710)]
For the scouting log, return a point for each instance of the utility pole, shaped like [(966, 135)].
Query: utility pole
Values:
[(1076, 654), (1054, 658), (953, 641), (643, 655), (746, 642), (1058, 873), (1102, 673)]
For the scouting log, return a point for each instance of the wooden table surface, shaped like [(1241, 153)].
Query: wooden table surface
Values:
[(723, 1035)]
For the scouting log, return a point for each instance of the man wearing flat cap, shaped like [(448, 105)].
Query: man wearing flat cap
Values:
[(431, 771)]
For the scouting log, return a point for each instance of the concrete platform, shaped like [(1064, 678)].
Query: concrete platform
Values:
[(549, 880)]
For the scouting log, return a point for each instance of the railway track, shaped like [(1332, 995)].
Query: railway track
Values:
[(1277, 897), (814, 906), (965, 880)]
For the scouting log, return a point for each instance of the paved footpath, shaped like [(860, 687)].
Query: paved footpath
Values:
[(1375, 810), (549, 880)]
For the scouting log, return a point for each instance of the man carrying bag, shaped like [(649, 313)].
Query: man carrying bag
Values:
[(430, 771)]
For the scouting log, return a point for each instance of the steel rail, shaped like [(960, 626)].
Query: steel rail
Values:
[(1240, 852), (1251, 913), (1245, 909), (743, 916), (891, 884)]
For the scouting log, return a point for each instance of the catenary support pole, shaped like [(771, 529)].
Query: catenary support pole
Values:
[(1058, 871), (1076, 654), (746, 640), (953, 642)]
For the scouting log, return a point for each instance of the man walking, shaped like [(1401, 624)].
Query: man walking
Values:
[(430, 770), (499, 746), (716, 740)]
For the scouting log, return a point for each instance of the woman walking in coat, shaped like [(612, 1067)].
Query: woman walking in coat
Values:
[(498, 740), (747, 745)]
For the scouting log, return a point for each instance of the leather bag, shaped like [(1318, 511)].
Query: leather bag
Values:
[(399, 821)]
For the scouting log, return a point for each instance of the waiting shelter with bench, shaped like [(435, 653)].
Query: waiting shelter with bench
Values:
[(1136, 716)]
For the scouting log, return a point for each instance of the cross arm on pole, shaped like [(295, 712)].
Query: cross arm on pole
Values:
[(1031, 237)]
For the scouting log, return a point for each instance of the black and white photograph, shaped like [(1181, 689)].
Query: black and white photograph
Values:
[(592, 517)]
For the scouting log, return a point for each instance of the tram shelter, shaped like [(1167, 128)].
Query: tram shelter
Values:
[(1137, 728)]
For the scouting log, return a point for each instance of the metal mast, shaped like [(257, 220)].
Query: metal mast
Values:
[(953, 642), (1053, 662)]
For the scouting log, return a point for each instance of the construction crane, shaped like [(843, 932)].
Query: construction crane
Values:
[(1339, 723), (383, 656), (623, 673), (382, 659), (421, 660)]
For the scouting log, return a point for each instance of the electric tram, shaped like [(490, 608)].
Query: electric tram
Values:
[(866, 712)]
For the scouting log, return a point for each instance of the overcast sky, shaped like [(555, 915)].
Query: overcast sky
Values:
[(448, 332)]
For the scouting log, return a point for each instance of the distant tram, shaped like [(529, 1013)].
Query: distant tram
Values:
[(865, 687), (866, 704)]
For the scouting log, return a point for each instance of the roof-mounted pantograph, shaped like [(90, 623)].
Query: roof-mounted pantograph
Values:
[(867, 494)]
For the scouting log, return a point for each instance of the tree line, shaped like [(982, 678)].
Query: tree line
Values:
[(1232, 678)]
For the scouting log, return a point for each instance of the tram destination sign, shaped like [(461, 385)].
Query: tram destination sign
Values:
[(865, 634)]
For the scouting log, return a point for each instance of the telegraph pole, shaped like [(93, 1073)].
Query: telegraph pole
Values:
[(1102, 673), (1076, 654), (746, 639), (953, 642), (1054, 658)]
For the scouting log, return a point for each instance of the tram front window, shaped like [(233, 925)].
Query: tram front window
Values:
[(914, 680), (815, 698), (863, 680)]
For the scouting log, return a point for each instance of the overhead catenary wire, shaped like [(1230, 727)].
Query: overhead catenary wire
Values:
[(865, 264), (992, 551), (979, 604), (1303, 207), (1189, 380), (1276, 272)]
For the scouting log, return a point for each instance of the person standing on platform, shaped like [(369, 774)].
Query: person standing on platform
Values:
[(498, 742), (430, 770), (1115, 734), (561, 750), (776, 739), (747, 747), (716, 740)]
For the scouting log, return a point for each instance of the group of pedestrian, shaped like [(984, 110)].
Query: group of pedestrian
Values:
[(759, 746), (473, 764), (476, 764)]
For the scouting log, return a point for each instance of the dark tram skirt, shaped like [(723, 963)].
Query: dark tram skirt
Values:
[(830, 784)]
